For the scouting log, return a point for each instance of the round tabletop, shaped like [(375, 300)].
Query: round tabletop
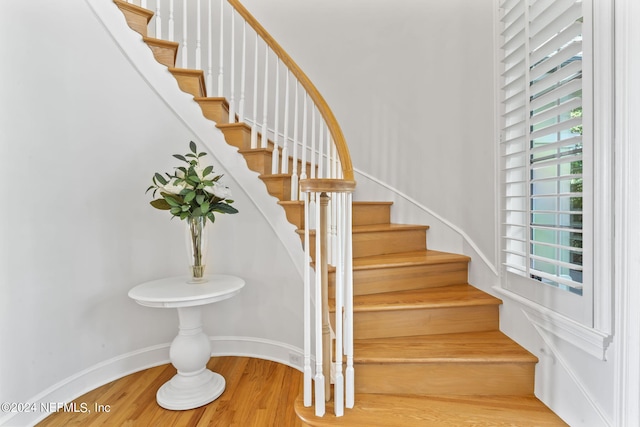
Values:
[(178, 292)]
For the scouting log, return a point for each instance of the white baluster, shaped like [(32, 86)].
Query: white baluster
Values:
[(307, 395), (198, 37), (221, 53), (305, 148), (285, 142), (243, 75), (172, 23), (254, 125), (338, 384), (320, 151), (313, 142), (334, 161), (303, 172), (294, 147), (275, 155), (319, 377), (265, 100), (209, 48), (158, 19), (185, 42), (327, 156), (232, 71)]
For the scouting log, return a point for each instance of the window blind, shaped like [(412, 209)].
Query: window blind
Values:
[(541, 141)]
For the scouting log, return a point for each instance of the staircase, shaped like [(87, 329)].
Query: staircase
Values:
[(428, 351)]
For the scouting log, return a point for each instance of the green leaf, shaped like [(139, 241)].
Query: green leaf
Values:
[(197, 212), (160, 204), (184, 215), (205, 207), (207, 171), (186, 208), (150, 187), (180, 157), (224, 208), (202, 154), (171, 201), (211, 217), (190, 196), (160, 179), (192, 147), (176, 211), (200, 199)]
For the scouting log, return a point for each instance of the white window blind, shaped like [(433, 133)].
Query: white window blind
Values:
[(542, 141)]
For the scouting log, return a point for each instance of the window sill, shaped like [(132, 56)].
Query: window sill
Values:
[(589, 340)]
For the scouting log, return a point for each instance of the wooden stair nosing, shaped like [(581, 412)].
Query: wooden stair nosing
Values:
[(190, 81), (215, 109), (405, 259), (380, 228), (137, 17), (164, 51), (446, 296), (375, 410), (465, 347)]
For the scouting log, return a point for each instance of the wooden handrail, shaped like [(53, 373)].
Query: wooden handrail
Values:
[(314, 94)]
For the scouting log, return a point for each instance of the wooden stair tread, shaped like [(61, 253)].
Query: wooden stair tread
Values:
[(403, 259), (375, 410), (446, 296), (387, 227), (374, 228), (160, 42), (360, 203), (477, 347)]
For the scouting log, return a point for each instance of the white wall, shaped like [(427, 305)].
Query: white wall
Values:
[(81, 134), (411, 84)]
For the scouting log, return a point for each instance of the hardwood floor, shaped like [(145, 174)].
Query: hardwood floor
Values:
[(258, 393)]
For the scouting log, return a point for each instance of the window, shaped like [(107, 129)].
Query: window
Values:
[(545, 156)]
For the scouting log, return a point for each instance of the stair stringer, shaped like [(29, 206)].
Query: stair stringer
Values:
[(225, 157)]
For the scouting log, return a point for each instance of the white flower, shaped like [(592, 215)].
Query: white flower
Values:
[(173, 188), (219, 190)]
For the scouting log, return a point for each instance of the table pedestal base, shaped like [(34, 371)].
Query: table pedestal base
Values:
[(194, 385), (183, 392)]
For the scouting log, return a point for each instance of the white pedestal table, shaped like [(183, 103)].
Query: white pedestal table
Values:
[(194, 385)]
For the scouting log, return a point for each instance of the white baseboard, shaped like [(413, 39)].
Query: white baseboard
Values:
[(69, 389)]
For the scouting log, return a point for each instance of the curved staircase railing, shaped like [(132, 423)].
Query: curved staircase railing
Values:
[(259, 85)]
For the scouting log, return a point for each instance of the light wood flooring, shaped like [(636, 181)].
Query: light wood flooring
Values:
[(258, 393)]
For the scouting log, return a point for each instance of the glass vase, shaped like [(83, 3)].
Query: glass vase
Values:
[(196, 237)]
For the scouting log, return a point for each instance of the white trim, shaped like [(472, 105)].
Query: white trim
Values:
[(88, 379), (258, 348), (569, 370), (117, 367), (627, 208), (603, 166), (591, 341), (422, 207)]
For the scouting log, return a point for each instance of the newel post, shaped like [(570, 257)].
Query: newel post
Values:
[(322, 233)]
